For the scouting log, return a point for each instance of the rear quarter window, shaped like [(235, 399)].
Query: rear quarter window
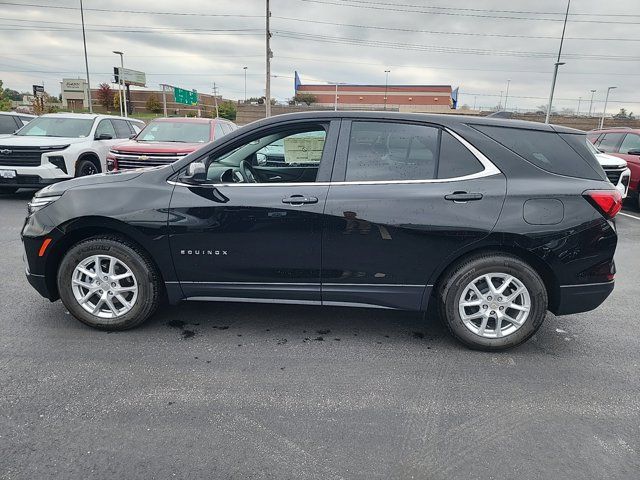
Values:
[(563, 154)]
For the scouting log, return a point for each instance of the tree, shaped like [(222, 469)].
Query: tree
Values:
[(623, 115), (306, 98), (227, 109), (5, 103), (12, 94), (116, 102), (153, 104), (105, 95)]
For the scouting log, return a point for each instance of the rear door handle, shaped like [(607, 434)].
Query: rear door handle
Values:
[(463, 197), (299, 200)]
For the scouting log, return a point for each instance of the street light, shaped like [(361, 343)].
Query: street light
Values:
[(578, 111), (606, 100), (506, 96), (245, 84), (553, 86), (386, 86), (591, 103), (335, 103), (123, 98)]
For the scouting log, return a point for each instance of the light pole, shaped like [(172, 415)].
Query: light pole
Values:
[(123, 99), (335, 102), (245, 84), (606, 100), (506, 95), (591, 103), (578, 110), (86, 62), (557, 64), (120, 82), (386, 86), (500, 102), (553, 87)]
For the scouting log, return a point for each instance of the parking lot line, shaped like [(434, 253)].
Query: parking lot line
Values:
[(630, 216)]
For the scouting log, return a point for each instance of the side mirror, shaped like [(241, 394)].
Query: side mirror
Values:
[(635, 151), (196, 173), (104, 136)]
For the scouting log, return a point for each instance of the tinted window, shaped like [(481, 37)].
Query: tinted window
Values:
[(7, 124), (105, 127), (391, 151), (630, 143), (455, 159), (547, 150), (122, 128), (609, 141)]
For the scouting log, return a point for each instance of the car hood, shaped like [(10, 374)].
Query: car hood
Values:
[(100, 179), (609, 161), (135, 147), (26, 141)]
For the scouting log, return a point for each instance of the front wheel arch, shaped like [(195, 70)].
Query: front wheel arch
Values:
[(91, 157)]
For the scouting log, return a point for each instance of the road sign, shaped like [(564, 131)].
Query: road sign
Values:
[(131, 77), (186, 97), (38, 90)]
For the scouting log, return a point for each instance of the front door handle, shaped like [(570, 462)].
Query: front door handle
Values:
[(463, 197), (299, 200)]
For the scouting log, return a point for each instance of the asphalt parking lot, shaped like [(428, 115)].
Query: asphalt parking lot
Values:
[(259, 391)]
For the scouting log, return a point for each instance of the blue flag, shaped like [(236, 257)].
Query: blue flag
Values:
[(296, 83), (454, 98)]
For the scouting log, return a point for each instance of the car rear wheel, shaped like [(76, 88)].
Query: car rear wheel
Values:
[(8, 190), (108, 283), (86, 167), (493, 301)]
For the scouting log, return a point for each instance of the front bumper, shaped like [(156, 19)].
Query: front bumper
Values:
[(39, 283), (582, 298), (28, 181)]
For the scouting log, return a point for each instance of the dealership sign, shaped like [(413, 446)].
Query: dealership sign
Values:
[(186, 97), (71, 85), (130, 77)]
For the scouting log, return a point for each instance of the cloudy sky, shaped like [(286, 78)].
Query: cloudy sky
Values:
[(477, 45)]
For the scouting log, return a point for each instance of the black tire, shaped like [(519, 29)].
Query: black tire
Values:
[(145, 273), (463, 273), (86, 167), (8, 190)]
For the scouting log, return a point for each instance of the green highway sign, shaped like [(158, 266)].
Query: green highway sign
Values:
[(186, 97)]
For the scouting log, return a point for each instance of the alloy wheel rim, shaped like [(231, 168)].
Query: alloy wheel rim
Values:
[(89, 170), (104, 286), (494, 305)]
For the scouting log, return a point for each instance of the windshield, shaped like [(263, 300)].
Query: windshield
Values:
[(57, 127), (186, 132)]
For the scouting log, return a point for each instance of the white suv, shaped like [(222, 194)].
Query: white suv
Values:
[(60, 146)]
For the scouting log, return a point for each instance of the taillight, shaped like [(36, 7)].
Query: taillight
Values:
[(607, 202), (112, 162)]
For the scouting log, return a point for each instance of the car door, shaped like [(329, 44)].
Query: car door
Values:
[(231, 239), (630, 151), (404, 198)]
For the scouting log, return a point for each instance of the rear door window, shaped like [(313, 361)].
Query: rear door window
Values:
[(122, 128), (7, 124), (548, 150), (630, 143), (380, 151), (455, 159), (609, 142)]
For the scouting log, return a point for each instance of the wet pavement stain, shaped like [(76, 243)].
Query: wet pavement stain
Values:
[(282, 341), (418, 335), (318, 339), (323, 332), (188, 334)]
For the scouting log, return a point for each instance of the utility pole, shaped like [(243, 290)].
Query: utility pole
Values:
[(578, 111), (215, 98), (591, 103), (121, 80), (500, 102), (475, 98), (557, 64), (86, 61), (386, 87), (245, 84), (267, 90), (506, 95), (164, 99), (606, 100)]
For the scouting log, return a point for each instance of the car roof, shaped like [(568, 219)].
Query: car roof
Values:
[(185, 119), (615, 130), (90, 116), (441, 119), (18, 114)]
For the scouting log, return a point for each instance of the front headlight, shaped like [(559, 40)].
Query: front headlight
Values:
[(38, 203)]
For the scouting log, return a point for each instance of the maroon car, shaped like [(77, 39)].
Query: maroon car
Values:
[(165, 140)]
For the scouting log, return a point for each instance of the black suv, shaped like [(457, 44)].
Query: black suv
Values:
[(495, 221)]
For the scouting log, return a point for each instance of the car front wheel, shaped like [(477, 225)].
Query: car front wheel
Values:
[(108, 283), (493, 301)]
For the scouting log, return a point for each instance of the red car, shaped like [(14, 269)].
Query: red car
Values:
[(165, 140), (623, 143)]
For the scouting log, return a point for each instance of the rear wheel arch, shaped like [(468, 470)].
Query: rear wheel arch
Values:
[(549, 279), (80, 234)]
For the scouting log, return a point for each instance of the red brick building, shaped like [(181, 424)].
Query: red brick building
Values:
[(405, 98)]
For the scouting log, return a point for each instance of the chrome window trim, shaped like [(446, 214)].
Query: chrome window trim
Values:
[(489, 170)]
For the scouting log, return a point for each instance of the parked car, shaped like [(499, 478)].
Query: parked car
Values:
[(623, 143), (493, 221), (616, 169), (12, 121), (166, 140), (60, 146)]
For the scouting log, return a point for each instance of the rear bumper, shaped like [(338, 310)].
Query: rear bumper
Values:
[(582, 298)]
